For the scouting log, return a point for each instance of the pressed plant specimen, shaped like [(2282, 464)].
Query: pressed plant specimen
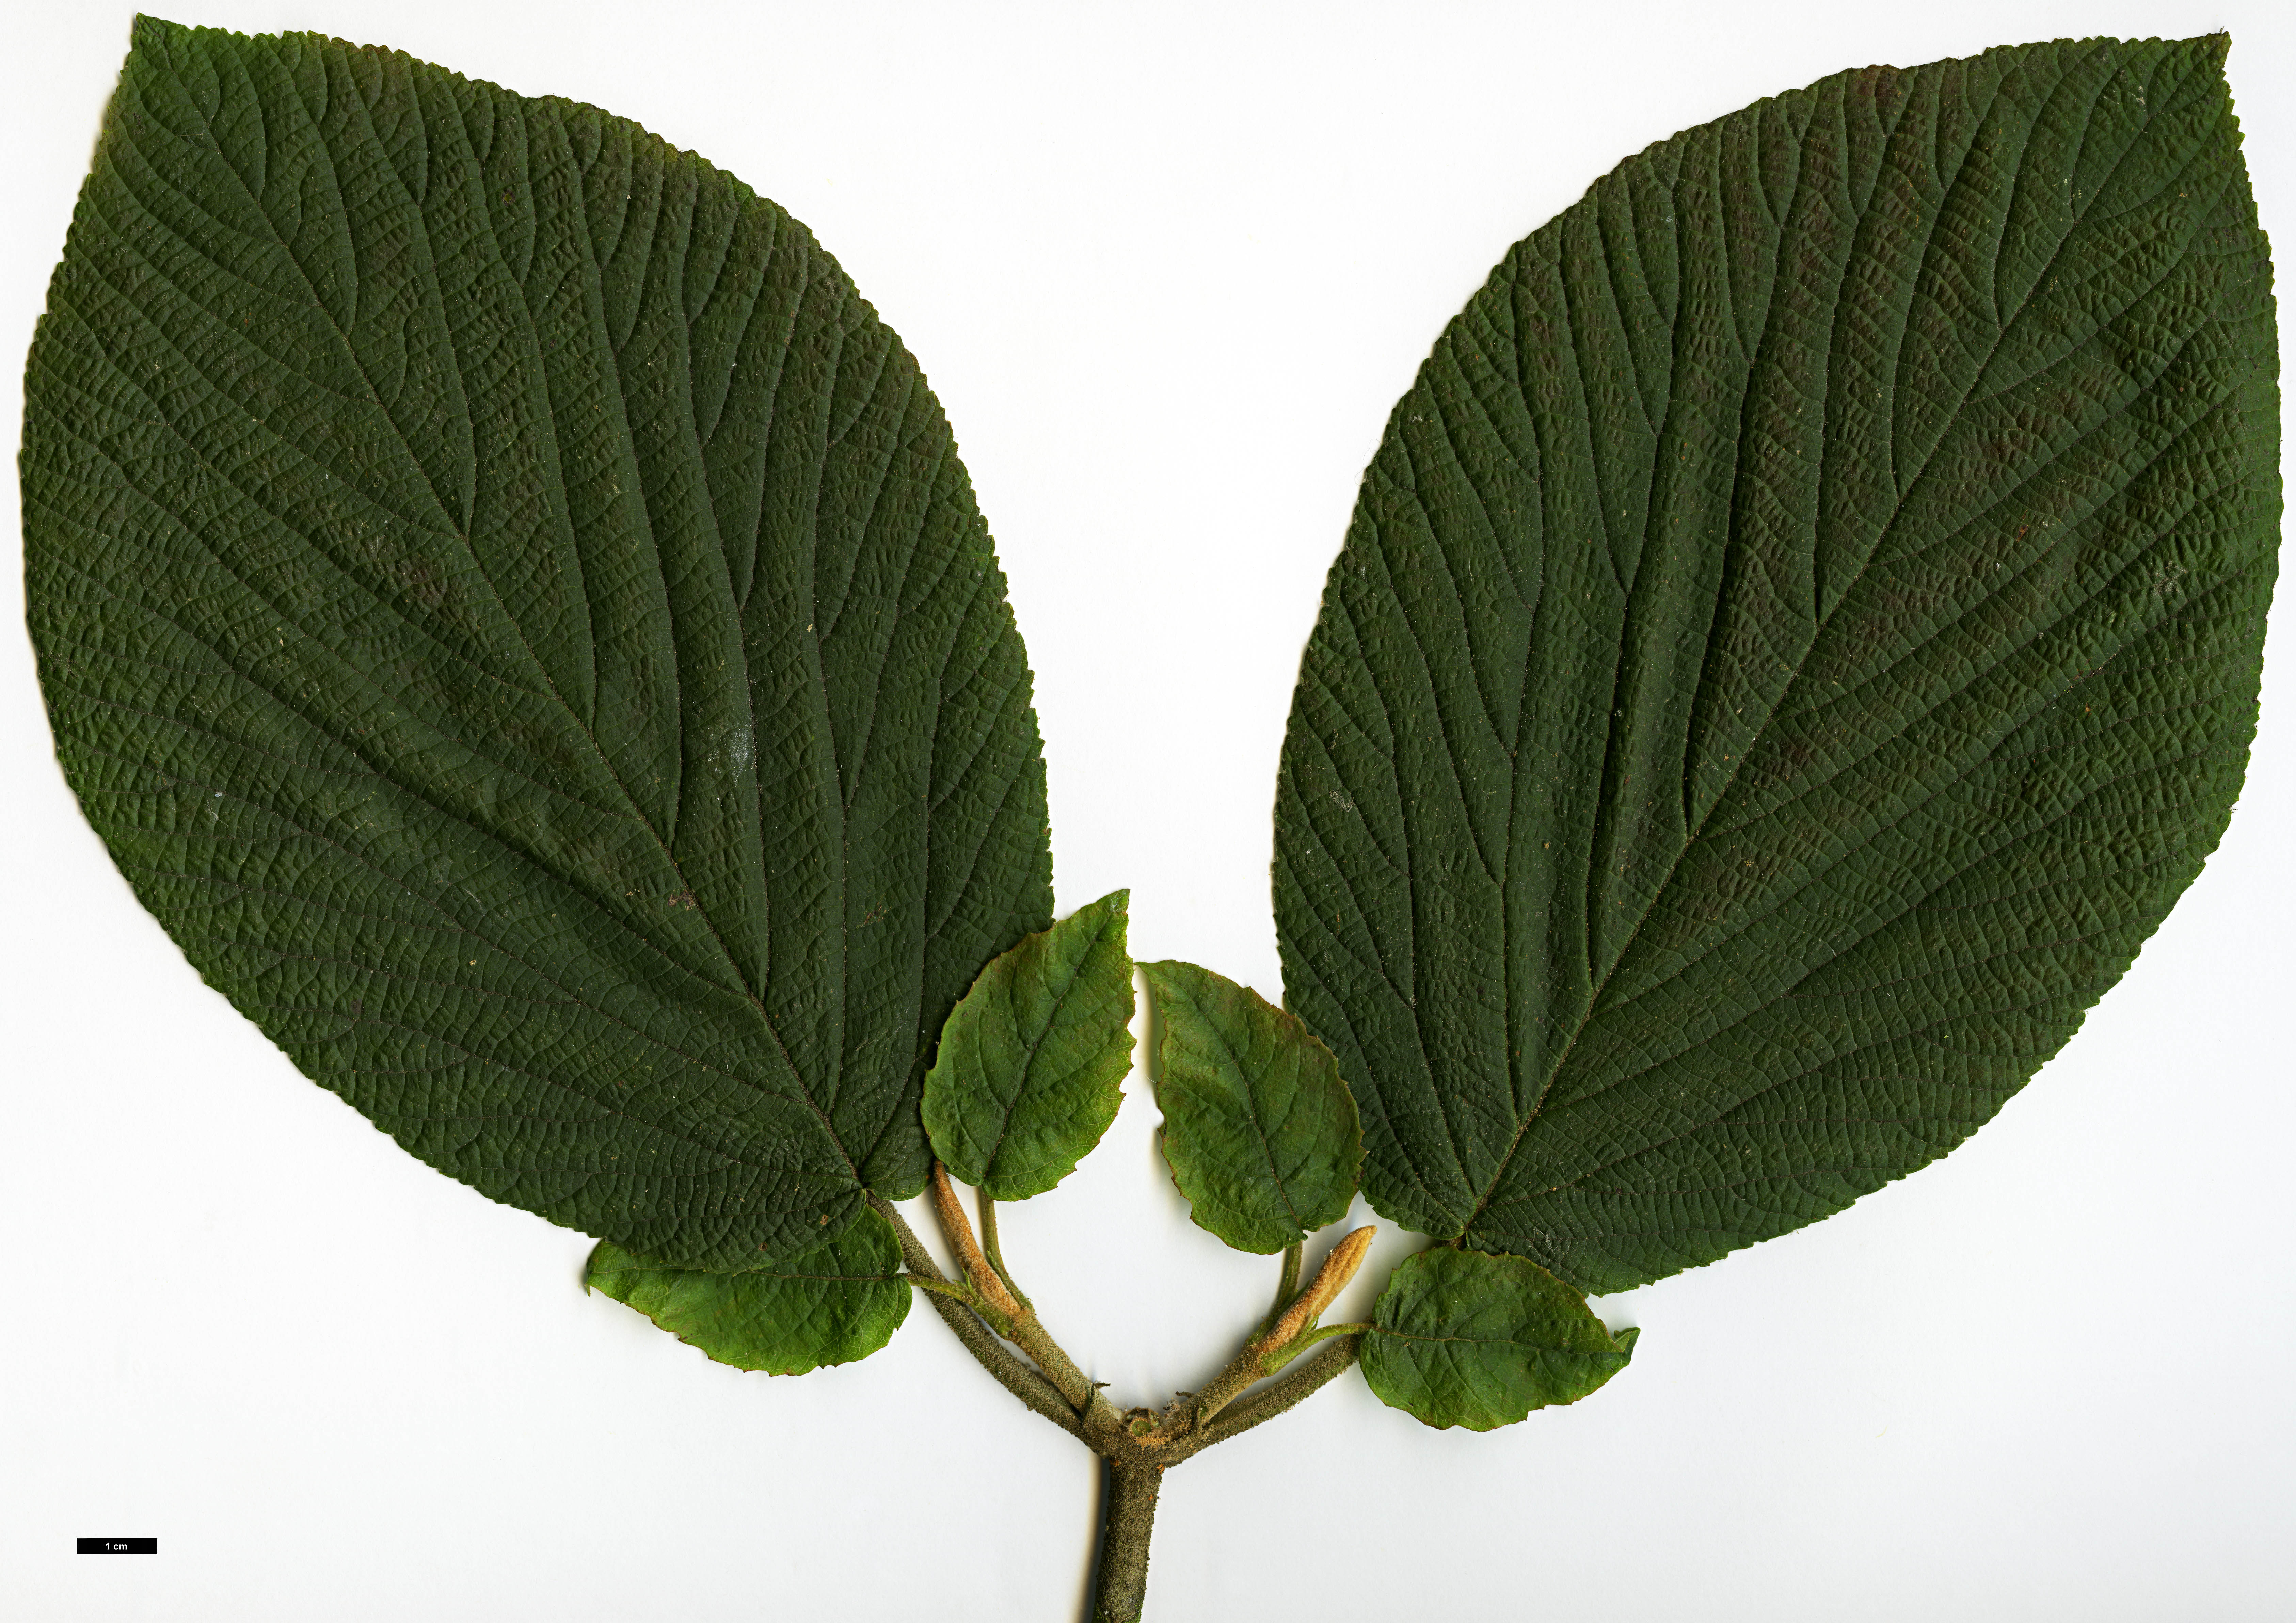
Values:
[(517, 618)]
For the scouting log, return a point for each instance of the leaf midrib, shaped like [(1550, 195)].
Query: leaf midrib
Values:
[(1252, 1112), (528, 336), (1594, 1005), (1021, 1090), (450, 924)]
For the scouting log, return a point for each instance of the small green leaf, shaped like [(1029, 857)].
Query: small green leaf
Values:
[(1467, 1339), (835, 1302), (1026, 1077), (1259, 1129)]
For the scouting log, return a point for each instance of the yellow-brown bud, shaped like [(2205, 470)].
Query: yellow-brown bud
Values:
[(959, 1229), (1339, 1267)]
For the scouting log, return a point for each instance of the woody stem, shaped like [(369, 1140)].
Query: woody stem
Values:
[(1128, 1518)]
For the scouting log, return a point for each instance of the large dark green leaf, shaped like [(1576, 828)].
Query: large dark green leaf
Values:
[(1797, 637), (518, 619), (1031, 1065), (1464, 1339), (1258, 1128), (834, 1302)]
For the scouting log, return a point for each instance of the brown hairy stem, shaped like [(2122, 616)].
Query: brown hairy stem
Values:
[(991, 1354), (1020, 1325), (950, 1210), (1128, 1518), (1138, 1446), (1270, 1350), (1309, 1375)]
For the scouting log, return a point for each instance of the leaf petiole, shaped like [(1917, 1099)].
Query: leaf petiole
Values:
[(994, 1252), (1011, 1372), (1298, 1383), (1278, 1358), (1021, 1327), (1272, 1348), (1286, 1288)]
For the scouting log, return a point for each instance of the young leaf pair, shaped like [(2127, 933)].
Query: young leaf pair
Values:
[(1262, 1139), (1025, 1080)]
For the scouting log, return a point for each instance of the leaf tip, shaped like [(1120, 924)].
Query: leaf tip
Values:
[(599, 1260), (147, 32), (1113, 911)]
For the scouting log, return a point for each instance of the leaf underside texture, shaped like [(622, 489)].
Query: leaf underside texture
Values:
[(1031, 1067), (835, 1302), (517, 618), (1797, 638), (1259, 1130), (1462, 1338)]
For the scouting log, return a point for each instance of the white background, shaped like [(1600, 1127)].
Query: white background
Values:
[(1168, 268)]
